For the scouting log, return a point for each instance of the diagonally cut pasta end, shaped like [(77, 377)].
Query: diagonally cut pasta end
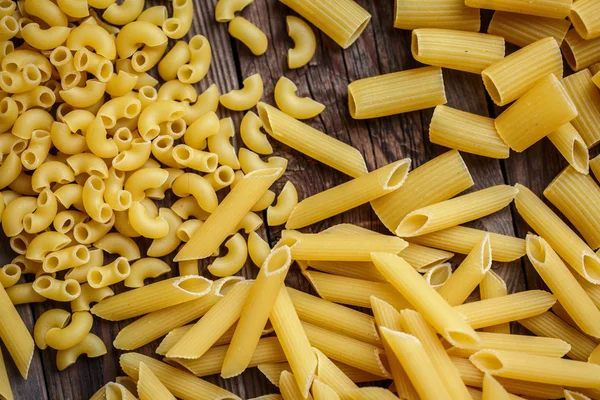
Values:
[(487, 361), (486, 254), (351, 102), (278, 261), (397, 175), (308, 276), (263, 113), (462, 339), (580, 158), (382, 362), (591, 267), (412, 224), (194, 285), (221, 286), (536, 248), (437, 275)]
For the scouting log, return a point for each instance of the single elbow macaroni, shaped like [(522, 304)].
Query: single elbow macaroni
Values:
[(88, 296), (121, 83), (201, 129), (146, 58), (167, 244), (44, 214), (93, 200), (143, 179), (65, 221), (135, 157), (291, 104), (136, 33), (146, 268), (220, 144), (178, 26), (69, 195), (89, 164), (225, 9), (44, 39), (98, 141), (151, 226), (188, 228), (159, 192), (69, 257), (177, 90), (80, 273), (10, 275), (249, 223), (41, 96), (72, 334), (89, 232), (46, 11), (265, 201), (195, 159), (115, 243), (251, 135), (258, 249), (51, 319), (100, 67), (178, 56), (155, 15), (114, 194), (162, 150), (57, 290), (86, 96), (95, 37), (62, 59), (30, 121), (117, 108), (155, 114), (245, 98), (74, 8), (51, 172), (286, 201), (207, 101), (305, 43), (46, 243), (38, 149), (249, 34), (200, 58), (124, 13), (92, 346), (115, 272), (234, 260), (250, 161), (195, 185)]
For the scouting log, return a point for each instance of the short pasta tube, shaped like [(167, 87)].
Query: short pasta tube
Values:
[(93, 200), (44, 214), (234, 260), (586, 97), (103, 276), (249, 34), (287, 201), (445, 14), (305, 43), (578, 52), (246, 97), (57, 290), (179, 25), (92, 346), (585, 18), (146, 268), (543, 8), (193, 184), (290, 103), (522, 29), (225, 9), (149, 387), (62, 338), (69, 257), (200, 58), (573, 148), (88, 296)]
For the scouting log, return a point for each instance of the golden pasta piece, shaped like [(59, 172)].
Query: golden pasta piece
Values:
[(200, 58), (249, 34), (448, 14), (149, 387), (179, 25), (305, 43), (585, 18), (543, 8), (492, 286), (245, 98), (291, 104), (225, 9), (571, 145), (522, 29), (92, 346), (578, 52), (586, 98)]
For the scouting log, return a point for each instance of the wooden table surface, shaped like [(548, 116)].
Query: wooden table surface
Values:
[(380, 49)]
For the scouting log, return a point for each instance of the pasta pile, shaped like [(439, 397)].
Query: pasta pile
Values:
[(91, 139)]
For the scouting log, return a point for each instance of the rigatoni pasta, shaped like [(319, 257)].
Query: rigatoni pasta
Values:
[(578, 52), (543, 8), (522, 29), (448, 14), (585, 18), (586, 98), (571, 145)]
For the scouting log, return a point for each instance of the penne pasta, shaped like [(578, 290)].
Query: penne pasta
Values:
[(371, 393), (522, 29), (14, 334), (149, 387), (331, 375), (586, 97), (289, 388), (492, 389), (490, 287), (449, 14), (571, 145), (322, 391), (578, 52), (5, 390)]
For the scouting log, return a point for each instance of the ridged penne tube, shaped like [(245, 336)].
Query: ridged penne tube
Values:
[(559, 236), (88, 296), (145, 268), (14, 334), (143, 300), (340, 247), (535, 368), (571, 145), (311, 142), (563, 285), (509, 78), (416, 363), (584, 17), (466, 132), (371, 393), (461, 239), (329, 374), (438, 275), (499, 310), (294, 341), (149, 387), (490, 287), (181, 384), (333, 370), (322, 391), (454, 49), (255, 313), (468, 275), (305, 43), (5, 389), (228, 214), (210, 327), (540, 111), (435, 309), (549, 325), (246, 97), (456, 211), (176, 334), (449, 14), (289, 388), (549, 347), (544, 8), (414, 324), (290, 103), (156, 324), (114, 272), (447, 173), (522, 29), (122, 389), (397, 92), (249, 34), (586, 97), (334, 317), (349, 195), (343, 21)]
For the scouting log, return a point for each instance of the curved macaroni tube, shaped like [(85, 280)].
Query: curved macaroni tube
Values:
[(249, 34), (69, 257), (124, 13), (80, 273), (123, 138), (265, 201), (201, 129), (100, 67), (91, 345), (178, 56), (200, 58), (159, 192), (146, 58), (178, 26), (72, 334), (225, 9), (51, 172), (95, 37), (44, 214), (55, 289), (70, 195), (234, 260), (98, 141), (249, 223), (143, 179), (30, 121), (7, 7), (9, 112), (195, 185), (114, 195), (135, 157), (220, 144), (27, 79), (115, 272), (45, 243), (208, 101), (62, 59), (10, 275), (187, 229), (89, 232), (87, 163), (258, 249), (286, 201), (221, 177), (44, 39), (155, 114), (135, 33), (120, 107), (93, 200), (28, 267), (165, 245), (46, 11), (115, 243), (22, 185), (250, 161), (245, 98), (17, 60), (188, 207), (38, 149), (251, 135), (176, 129), (65, 221), (74, 8), (121, 83), (9, 143), (305, 43), (147, 225), (146, 268), (155, 15), (65, 140), (41, 96), (19, 243), (195, 159), (123, 226), (9, 27), (51, 319), (291, 104), (144, 79), (83, 97), (177, 90), (162, 150), (88, 296)]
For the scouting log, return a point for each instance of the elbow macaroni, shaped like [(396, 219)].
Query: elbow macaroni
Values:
[(245, 98), (291, 104)]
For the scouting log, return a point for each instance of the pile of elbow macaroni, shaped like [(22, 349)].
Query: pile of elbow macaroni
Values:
[(90, 139)]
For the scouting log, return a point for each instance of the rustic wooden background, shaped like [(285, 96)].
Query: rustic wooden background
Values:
[(380, 49)]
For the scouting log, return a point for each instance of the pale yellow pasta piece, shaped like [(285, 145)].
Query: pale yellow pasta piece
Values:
[(45, 243), (51, 319), (65, 140), (177, 90), (291, 104), (449, 14), (287, 201), (304, 40), (88, 296), (201, 129), (80, 273), (91, 345), (9, 111), (120, 390), (149, 387), (159, 192), (584, 17), (578, 52), (57, 290), (188, 207), (250, 161), (24, 294), (251, 135), (222, 177), (115, 243), (492, 286), (90, 231), (93, 200), (30, 121), (162, 246), (225, 9), (322, 391), (195, 159), (157, 113), (245, 98), (43, 216), (5, 389), (200, 58), (571, 145), (70, 257), (74, 8), (258, 249), (40, 96), (84, 96), (522, 29), (23, 81), (135, 157), (586, 98), (44, 39), (145, 268), (234, 260), (10, 275), (65, 337), (192, 184), (124, 13), (179, 25), (37, 151), (114, 272), (249, 34), (187, 229), (543, 8), (100, 67)]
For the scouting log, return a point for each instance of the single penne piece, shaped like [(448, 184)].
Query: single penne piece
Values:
[(313, 143), (522, 29), (543, 8), (349, 195), (322, 391), (331, 375), (216, 321), (578, 52), (543, 346), (456, 211), (449, 14), (289, 388), (454, 49), (448, 173), (5, 390), (549, 325), (493, 390), (492, 285), (438, 275), (255, 313), (499, 310), (228, 214), (14, 334), (509, 78), (586, 97), (422, 258), (469, 274), (435, 309), (559, 236), (181, 384), (371, 393), (149, 387), (538, 112), (144, 300), (397, 92), (592, 290), (176, 334), (340, 247), (571, 145), (466, 132), (535, 368)]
